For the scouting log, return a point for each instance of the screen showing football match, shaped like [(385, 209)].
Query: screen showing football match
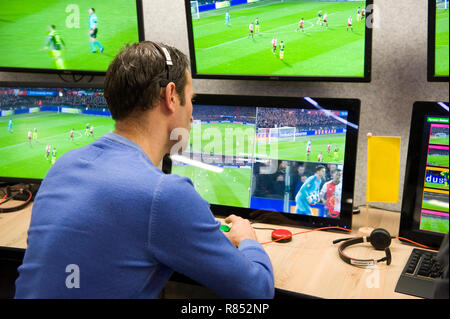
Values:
[(441, 38), (38, 125), (301, 38), (81, 35), (434, 207), (287, 160)]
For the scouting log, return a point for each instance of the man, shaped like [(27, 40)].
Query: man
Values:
[(250, 30), (108, 223), (325, 19), (320, 157), (54, 153), (300, 25), (282, 50), (336, 153), (54, 43), (35, 134), (93, 30), (274, 45), (308, 149), (331, 194), (227, 18), (29, 135), (10, 126), (257, 28), (47, 151), (309, 192), (350, 23)]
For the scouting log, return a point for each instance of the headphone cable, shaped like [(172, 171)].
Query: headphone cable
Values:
[(336, 227)]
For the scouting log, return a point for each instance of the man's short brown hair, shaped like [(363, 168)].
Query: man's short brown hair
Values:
[(134, 77)]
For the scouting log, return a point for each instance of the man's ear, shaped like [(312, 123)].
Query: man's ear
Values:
[(170, 96)]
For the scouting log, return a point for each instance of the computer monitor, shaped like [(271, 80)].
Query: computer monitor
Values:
[(424, 214), (297, 40), (66, 37), (39, 123), (438, 39), (280, 160)]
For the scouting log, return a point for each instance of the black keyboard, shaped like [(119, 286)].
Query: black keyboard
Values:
[(420, 273)]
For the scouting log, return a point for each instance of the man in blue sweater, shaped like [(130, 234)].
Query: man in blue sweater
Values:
[(107, 223)]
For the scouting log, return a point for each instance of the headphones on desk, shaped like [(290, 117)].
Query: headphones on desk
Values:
[(380, 240)]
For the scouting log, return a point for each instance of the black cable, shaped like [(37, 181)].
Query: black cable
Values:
[(18, 207), (61, 77), (79, 79), (74, 78)]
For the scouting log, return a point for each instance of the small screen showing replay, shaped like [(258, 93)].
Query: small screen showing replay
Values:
[(289, 160), (39, 124), (434, 208)]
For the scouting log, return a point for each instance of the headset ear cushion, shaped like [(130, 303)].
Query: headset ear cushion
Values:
[(380, 238)]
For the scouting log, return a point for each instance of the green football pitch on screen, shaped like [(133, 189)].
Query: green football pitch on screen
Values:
[(317, 50), (23, 158), (24, 33)]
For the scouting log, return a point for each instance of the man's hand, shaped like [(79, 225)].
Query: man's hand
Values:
[(240, 230)]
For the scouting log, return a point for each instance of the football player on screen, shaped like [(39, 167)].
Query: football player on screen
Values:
[(93, 30), (309, 193)]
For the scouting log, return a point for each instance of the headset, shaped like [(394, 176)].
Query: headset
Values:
[(165, 53), (380, 240)]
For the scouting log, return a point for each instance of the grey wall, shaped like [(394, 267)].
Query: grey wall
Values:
[(399, 68)]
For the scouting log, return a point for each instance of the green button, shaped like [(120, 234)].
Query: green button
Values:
[(225, 228)]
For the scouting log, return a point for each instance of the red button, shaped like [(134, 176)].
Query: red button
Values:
[(282, 235)]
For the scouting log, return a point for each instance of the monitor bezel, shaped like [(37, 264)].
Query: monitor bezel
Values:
[(431, 50), (412, 173), (141, 37), (49, 85), (272, 217), (365, 78)]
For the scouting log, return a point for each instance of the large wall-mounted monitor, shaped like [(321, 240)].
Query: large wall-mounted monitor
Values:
[(77, 37), (301, 40), (438, 39), (425, 210), (280, 160), (39, 123)]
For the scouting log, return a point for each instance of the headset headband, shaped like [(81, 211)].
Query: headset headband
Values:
[(168, 62)]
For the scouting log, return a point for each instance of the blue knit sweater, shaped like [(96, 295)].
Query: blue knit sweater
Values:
[(106, 223)]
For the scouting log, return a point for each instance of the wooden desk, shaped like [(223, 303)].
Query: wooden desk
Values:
[(14, 226), (309, 264)]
